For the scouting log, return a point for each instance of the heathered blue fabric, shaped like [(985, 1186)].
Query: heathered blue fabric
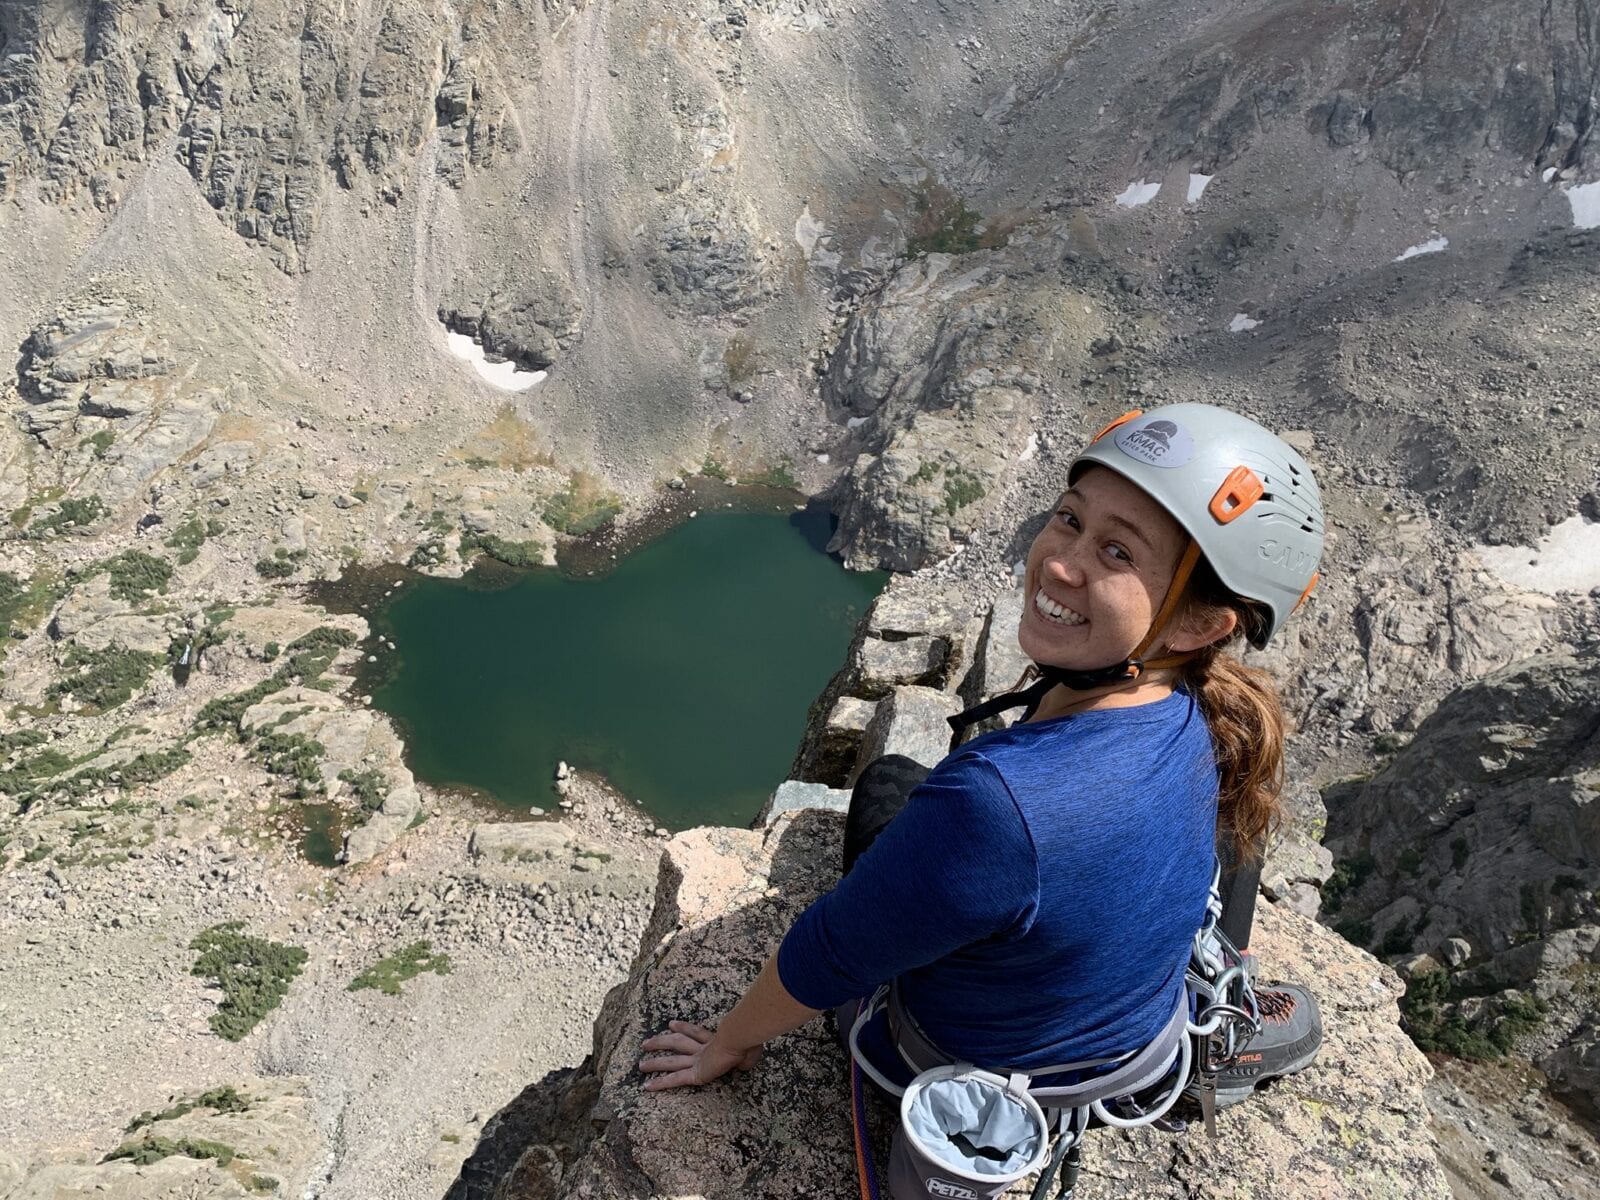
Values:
[(1037, 895)]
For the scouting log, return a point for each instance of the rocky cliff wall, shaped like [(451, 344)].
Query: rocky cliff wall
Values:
[(1470, 858)]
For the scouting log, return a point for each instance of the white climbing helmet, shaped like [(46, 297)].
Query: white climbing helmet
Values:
[(1243, 494)]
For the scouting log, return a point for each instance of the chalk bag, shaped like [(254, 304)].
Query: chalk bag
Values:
[(965, 1134)]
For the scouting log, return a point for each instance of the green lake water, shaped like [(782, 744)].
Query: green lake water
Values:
[(683, 675)]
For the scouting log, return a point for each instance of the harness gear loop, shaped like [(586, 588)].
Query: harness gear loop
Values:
[(1046, 677)]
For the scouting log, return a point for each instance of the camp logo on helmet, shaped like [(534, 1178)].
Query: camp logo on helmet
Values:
[(1157, 443), (943, 1187), (1291, 560)]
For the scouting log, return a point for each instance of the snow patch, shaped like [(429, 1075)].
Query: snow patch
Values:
[(1197, 186), (1241, 323), (1585, 201), (505, 375), (1567, 559), (1139, 193), (1432, 246), (807, 229)]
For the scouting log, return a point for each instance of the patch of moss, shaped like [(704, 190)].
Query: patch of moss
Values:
[(926, 472), (739, 358), (713, 469), (103, 679), (388, 974), (23, 604), (253, 973), (780, 476)]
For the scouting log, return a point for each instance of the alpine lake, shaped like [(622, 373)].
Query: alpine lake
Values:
[(680, 665)]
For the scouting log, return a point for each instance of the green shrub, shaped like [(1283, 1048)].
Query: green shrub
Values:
[(112, 676), (253, 973), (151, 1150), (581, 508), (370, 787), (75, 513), (961, 488), (1348, 874), (926, 471), (1429, 1015), (293, 755), (388, 974), (221, 1100), (271, 651), (101, 441), (713, 469), (513, 554), (135, 574), (188, 537), (309, 657), (944, 224), (281, 565)]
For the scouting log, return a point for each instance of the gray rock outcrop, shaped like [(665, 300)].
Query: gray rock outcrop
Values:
[(1354, 1125), (353, 742), (1479, 844)]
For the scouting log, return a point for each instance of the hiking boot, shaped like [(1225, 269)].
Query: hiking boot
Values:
[(1291, 1034)]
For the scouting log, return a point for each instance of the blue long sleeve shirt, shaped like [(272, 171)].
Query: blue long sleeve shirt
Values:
[(1037, 896)]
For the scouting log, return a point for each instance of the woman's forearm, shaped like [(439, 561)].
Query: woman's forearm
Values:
[(766, 1010)]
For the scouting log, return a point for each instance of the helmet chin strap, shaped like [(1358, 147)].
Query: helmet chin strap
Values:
[(1128, 670)]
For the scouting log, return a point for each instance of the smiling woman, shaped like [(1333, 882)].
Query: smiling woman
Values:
[(683, 676)]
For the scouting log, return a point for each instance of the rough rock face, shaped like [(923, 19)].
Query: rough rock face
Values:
[(353, 742), (1477, 846), (99, 392), (1353, 1125), (264, 97), (940, 366)]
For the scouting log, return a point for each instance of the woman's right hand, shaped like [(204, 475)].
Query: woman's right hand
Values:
[(687, 1056)]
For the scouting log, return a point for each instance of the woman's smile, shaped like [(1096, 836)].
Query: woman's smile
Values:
[(1096, 573), (1058, 614)]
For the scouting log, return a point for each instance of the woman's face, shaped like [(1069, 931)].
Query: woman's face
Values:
[(1097, 573)]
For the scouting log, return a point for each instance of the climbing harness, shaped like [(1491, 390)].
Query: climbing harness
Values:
[(967, 1133)]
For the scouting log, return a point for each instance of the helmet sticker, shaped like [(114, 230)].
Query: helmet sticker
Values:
[(1158, 443)]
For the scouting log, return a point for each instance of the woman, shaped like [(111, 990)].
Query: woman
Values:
[(1036, 898)]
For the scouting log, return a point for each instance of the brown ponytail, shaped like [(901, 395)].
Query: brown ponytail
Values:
[(1241, 707)]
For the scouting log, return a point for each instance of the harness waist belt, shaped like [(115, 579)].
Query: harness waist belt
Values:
[(1138, 1069)]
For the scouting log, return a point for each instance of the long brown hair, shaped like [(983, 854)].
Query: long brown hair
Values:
[(1246, 720)]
